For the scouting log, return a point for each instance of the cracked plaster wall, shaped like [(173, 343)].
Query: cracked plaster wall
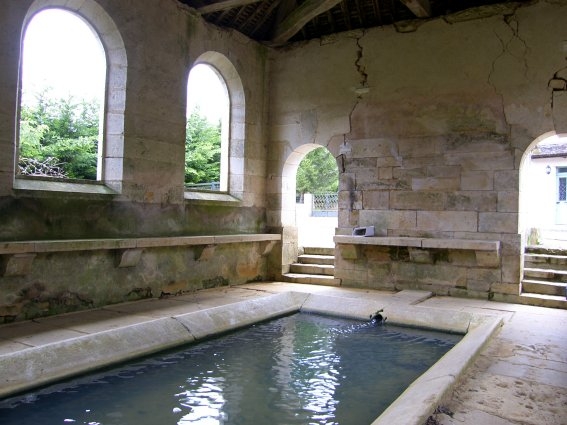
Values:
[(429, 127)]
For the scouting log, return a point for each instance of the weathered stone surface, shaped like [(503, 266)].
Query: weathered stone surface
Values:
[(388, 219), (435, 183), (477, 180), (420, 256), (498, 222), (508, 202), (376, 200), (416, 200), (447, 220)]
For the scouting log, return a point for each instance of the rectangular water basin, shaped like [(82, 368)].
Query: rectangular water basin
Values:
[(38, 366)]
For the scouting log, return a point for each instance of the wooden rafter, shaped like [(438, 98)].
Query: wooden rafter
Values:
[(297, 19), (420, 8), (265, 16), (346, 15), (224, 5)]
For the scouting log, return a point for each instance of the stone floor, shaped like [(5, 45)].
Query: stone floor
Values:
[(520, 376)]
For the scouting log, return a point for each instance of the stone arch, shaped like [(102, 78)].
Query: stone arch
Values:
[(287, 201), (289, 173), (110, 169), (236, 128)]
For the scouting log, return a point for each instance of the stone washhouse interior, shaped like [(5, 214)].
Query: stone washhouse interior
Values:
[(430, 107)]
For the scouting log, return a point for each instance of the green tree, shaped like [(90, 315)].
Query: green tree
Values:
[(317, 173), (61, 131), (202, 149)]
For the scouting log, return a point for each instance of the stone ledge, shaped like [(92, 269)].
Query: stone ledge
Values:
[(487, 253), (20, 247), (211, 198), (464, 244), (38, 185), (16, 258)]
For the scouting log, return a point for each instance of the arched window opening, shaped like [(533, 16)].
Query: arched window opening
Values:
[(61, 106), (207, 130)]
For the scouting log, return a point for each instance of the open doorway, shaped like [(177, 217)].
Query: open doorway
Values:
[(543, 218), (544, 192), (316, 211)]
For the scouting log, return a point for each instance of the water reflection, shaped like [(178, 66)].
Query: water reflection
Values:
[(204, 400)]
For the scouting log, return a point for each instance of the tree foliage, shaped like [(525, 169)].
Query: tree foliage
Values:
[(202, 149), (62, 132), (317, 173)]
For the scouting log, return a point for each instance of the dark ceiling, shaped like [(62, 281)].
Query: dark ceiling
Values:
[(278, 22)]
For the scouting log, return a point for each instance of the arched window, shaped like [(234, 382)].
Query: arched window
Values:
[(62, 102), (207, 130), (80, 123)]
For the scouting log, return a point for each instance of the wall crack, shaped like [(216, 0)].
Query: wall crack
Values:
[(511, 21), (513, 24), (361, 69)]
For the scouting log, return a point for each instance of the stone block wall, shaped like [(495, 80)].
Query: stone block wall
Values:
[(429, 126), (62, 282), (150, 49)]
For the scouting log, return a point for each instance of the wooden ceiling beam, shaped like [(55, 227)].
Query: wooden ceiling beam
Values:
[(224, 5), (297, 19), (420, 8), (265, 16)]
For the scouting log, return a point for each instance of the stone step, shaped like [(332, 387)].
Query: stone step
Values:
[(545, 274), (543, 287), (545, 261), (318, 250), (313, 279), (316, 259), (551, 301), (323, 269), (536, 249)]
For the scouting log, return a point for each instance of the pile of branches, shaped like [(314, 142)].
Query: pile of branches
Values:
[(49, 167)]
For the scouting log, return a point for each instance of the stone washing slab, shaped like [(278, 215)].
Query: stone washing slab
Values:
[(464, 244), (35, 366), (487, 253), (19, 247)]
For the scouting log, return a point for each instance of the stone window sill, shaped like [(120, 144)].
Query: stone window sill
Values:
[(44, 186), (212, 198)]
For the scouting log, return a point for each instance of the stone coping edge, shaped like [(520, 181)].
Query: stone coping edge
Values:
[(419, 401), (21, 247), (466, 244), (38, 366)]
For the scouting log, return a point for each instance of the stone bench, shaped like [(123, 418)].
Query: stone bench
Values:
[(487, 252), (17, 256)]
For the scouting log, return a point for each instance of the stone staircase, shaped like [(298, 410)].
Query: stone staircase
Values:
[(545, 273), (315, 266)]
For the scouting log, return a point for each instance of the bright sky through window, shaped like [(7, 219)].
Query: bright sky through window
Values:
[(205, 89), (62, 53)]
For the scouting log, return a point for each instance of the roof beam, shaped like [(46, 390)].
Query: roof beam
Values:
[(297, 19), (224, 5), (420, 8)]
